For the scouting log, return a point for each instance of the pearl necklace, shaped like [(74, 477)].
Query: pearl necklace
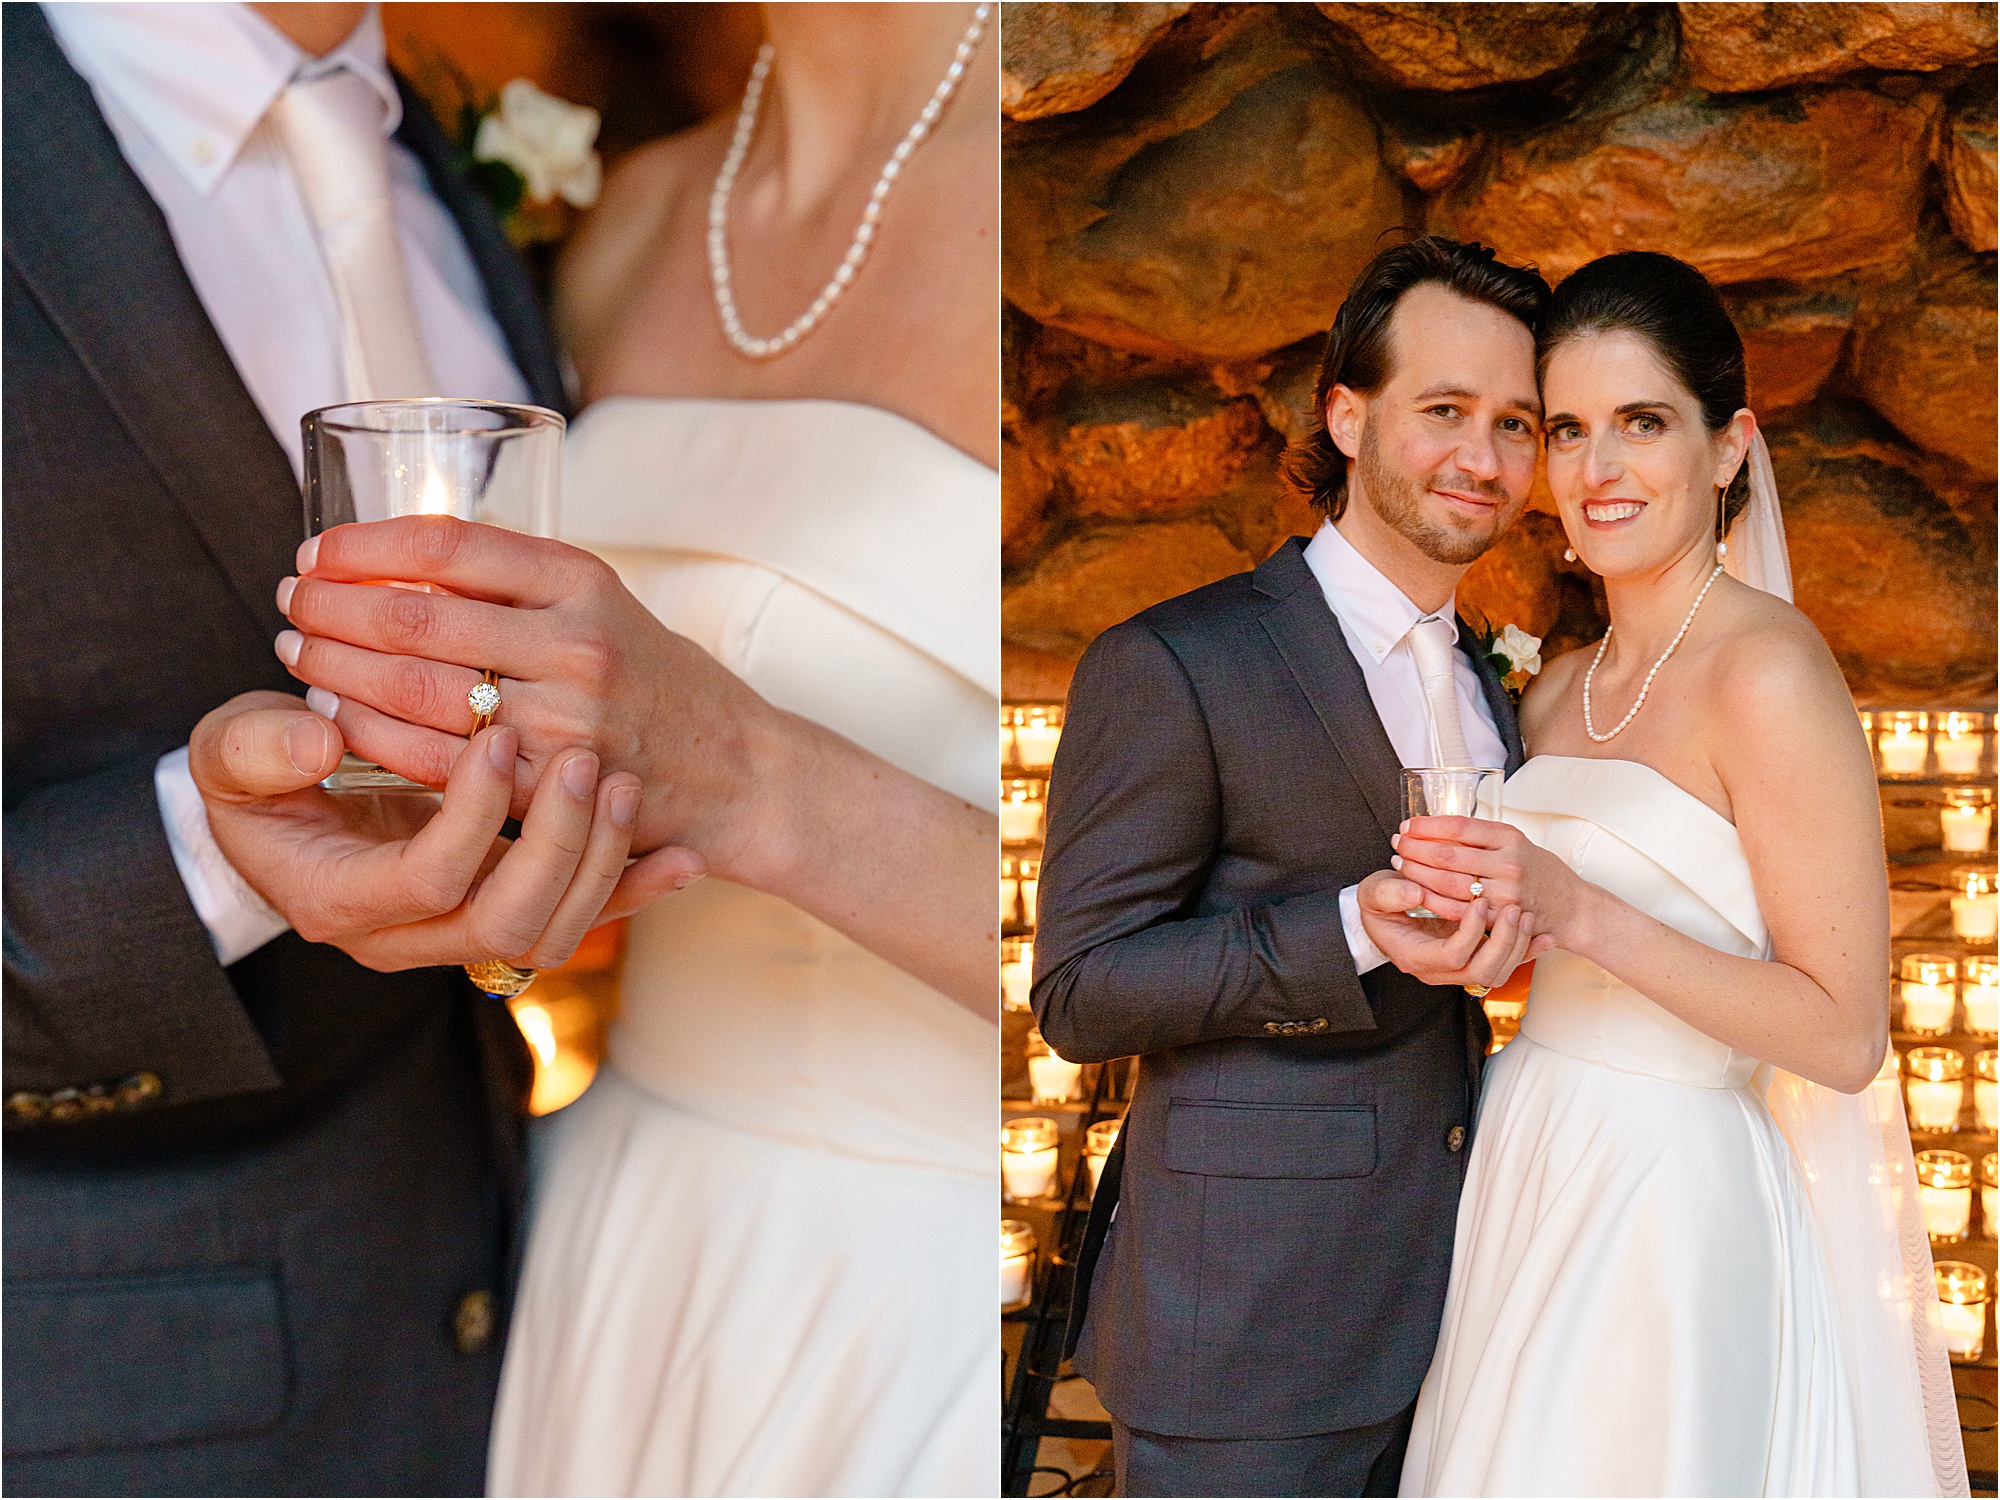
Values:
[(864, 232), (1646, 687)]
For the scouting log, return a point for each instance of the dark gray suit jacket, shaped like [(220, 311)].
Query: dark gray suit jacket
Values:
[(242, 1205), (1286, 1182)]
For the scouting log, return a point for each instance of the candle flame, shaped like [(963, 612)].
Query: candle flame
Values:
[(535, 1026), (436, 499)]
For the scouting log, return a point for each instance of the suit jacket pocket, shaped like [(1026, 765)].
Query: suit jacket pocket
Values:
[(1219, 1139), (92, 1364)]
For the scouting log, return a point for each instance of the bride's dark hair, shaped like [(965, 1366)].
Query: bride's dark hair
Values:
[(1670, 305)]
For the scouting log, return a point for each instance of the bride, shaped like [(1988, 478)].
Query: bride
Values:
[(1687, 1258), (761, 1257)]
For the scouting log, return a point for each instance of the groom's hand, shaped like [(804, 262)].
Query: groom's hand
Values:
[(398, 881), (582, 663), (1443, 952)]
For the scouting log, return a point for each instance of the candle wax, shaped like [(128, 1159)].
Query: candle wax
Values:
[(1036, 745), (1027, 1174), (1964, 1329), (1966, 828), (1096, 1166), (1016, 976), (1926, 1007), (1982, 1009), (1989, 1209), (1014, 1279), (1010, 895), (1903, 752), (1031, 891), (1053, 1077), (1020, 822), (1986, 1103), (1975, 918), (1935, 1106), (1947, 1211), (1958, 754)]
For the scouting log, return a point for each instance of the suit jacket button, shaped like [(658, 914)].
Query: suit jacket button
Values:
[(138, 1091), (1275, 1028), (472, 1322), (1454, 1138), (66, 1105), (1318, 1023), (27, 1106)]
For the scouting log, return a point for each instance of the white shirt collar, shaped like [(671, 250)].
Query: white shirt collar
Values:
[(197, 76), (1376, 613)]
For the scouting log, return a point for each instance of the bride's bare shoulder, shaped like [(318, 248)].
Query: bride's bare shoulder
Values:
[(1769, 669), (642, 194)]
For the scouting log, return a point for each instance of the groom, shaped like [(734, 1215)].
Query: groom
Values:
[(1263, 1277)]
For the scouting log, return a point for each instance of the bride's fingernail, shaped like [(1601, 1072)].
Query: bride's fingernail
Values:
[(624, 805), (500, 750), (308, 554), (288, 645), (1395, 841), (579, 775), (286, 588), (323, 703), (685, 881), (1395, 861)]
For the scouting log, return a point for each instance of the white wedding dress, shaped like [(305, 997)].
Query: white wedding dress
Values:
[(1675, 1273), (761, 1259)]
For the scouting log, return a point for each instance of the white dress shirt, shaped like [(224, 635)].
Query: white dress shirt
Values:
[(184, 88), (1375, 618)]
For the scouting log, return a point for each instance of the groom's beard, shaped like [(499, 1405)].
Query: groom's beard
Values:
[(1398, 500)]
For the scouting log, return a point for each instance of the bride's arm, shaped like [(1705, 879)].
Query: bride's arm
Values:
[(1789, 752)]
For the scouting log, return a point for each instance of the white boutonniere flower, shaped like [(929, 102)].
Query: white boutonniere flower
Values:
[(548, 141), (1516, 656)]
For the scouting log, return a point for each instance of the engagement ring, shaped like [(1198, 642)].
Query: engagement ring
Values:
[(1478, 886), (484, 699)]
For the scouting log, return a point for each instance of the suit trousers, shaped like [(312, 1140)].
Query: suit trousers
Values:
[(1355, 1461)]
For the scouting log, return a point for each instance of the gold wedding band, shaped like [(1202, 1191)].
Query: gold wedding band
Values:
[(503, 981), (484, 699), (1479, 991)]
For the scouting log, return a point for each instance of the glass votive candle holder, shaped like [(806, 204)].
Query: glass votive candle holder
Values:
[(1986, 1089), (1053, 1077), (1965, 822), (1944, 1188), (1017, 1262), (1097, 1144), (1009, 756), (1904, 741), (1960, 740), (1030, 871), (1028, 1158), (1928, 983), (1017, 972), (1010, 890), (1979, 988), (1989, 1194), (1962, 1290), (1975, 906), (1934, 1086), (1022, 803), (1037, 729)]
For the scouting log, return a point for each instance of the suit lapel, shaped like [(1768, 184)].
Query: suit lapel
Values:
[(1309, 639), (509, 291), (90, 244), (1497, 699)]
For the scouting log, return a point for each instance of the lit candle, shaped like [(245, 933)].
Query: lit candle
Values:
[(1967, 820), (1958, 742), (1504, 1031), (1904, 743), (1031, 889), (1930, 993), (1975, 909), (1021, 812), (1097, 1144), (1053, 1078), (1028, 1157), (1981, 989), (1007, 748), (1986, 1089), (1036, 734), (1962, 1294), (1509, 1008), (1944, 1187), (1010, 891), (1017, 971), (1989, 1194), (1935, 1087), (1017, 1261)]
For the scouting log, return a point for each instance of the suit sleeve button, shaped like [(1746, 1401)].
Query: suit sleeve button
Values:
[(27, 1106), (472, 1322), (1454, 1138), (1275, 1028), (138, 1091)]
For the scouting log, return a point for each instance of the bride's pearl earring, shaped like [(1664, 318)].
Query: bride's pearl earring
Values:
[(1721, 550), (1569, 554)]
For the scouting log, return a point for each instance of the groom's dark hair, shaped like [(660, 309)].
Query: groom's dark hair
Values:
[(1358, 352)]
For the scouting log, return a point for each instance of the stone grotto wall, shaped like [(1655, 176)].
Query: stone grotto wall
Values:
[(1189, 189)]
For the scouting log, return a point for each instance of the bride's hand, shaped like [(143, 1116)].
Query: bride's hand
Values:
[(1446, 952), (1447, 855), (582, 664)]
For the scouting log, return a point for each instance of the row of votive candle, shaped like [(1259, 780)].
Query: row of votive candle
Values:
[(1020, 888), (1930, 987), (1963, 1292), (1028, 735), (1944, 1187), (1904, 741), (1017, 971), (1029, 1155), (1022, 803), (1934, 1088), (1965, 822)]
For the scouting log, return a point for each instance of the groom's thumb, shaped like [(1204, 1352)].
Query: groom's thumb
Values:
[(262, 745)]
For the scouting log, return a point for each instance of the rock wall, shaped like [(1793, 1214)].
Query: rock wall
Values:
[(1189, 189)]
